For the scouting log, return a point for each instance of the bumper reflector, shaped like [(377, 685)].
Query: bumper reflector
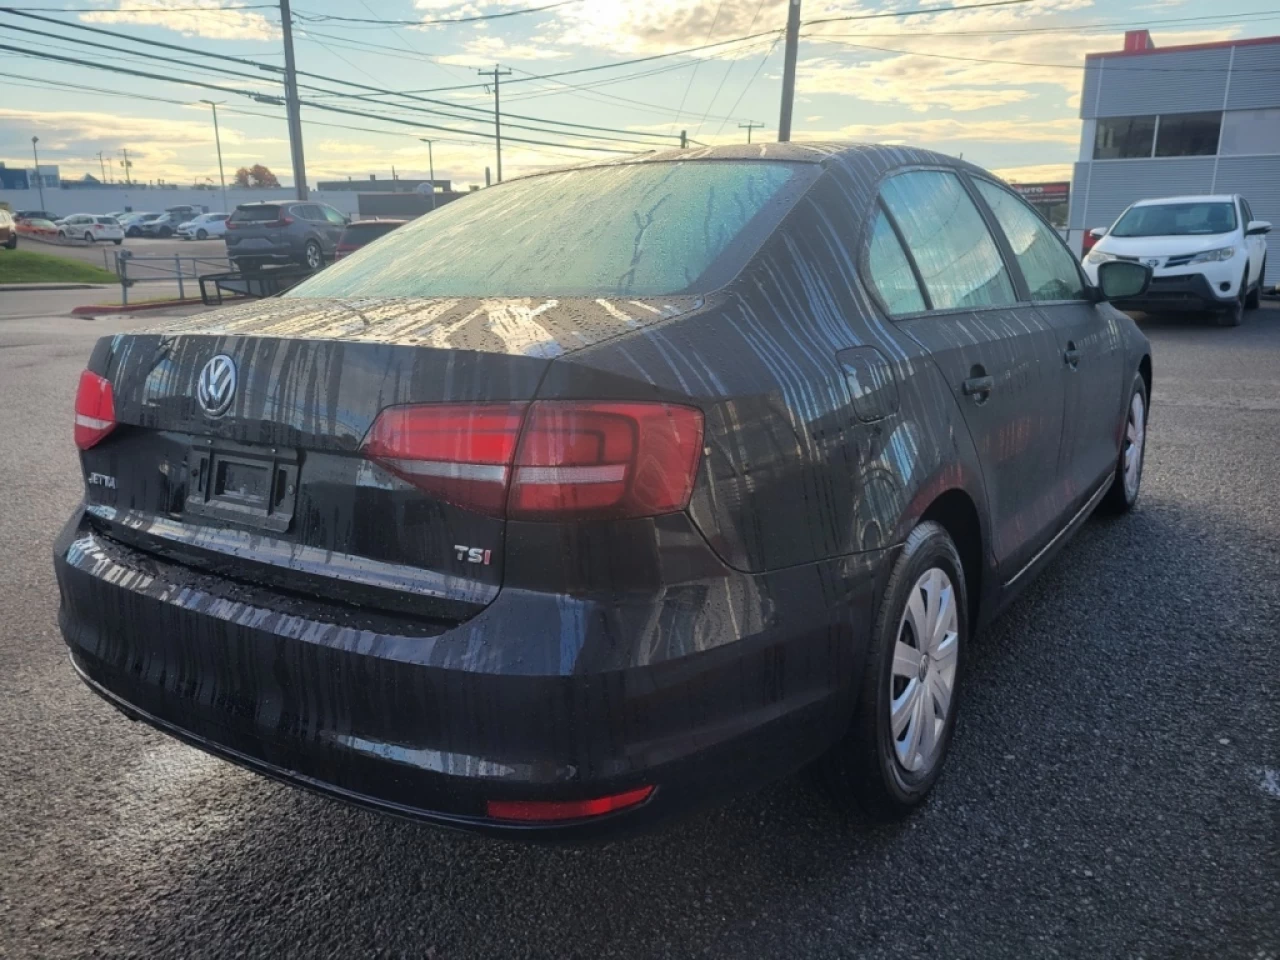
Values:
[(543, 811)]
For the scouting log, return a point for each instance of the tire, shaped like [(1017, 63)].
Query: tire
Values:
[(202, 234), (1233, 315), (866, 769), (1254, 300), (246, 267), (12, 242), (88, 237), (312, 256), (166, 233), (62, 234), (1125, 487), (132, 232), (117, 242)]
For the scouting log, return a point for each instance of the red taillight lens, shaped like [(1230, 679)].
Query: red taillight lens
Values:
[(561, 458), (232, 225), (459, 453), (546, 810), (95, 410), (282, 222), (607, 459)]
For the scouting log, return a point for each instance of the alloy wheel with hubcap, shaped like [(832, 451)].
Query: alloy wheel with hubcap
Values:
[(314, 255), (923, 674), (1135, 436)]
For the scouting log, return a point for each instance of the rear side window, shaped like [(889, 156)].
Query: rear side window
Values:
[(1049, 268), (958, 259), (891, 271), (640, 229), (251, 214)]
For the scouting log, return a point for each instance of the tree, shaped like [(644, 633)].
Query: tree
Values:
[(256, 176)]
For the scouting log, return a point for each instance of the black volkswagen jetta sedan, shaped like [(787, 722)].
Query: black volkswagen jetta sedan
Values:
[(606, 491)]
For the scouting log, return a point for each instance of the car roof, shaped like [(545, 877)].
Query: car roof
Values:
[(1199, 198), (867, 157)]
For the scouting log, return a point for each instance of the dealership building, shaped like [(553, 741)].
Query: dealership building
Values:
[(1175, 121)]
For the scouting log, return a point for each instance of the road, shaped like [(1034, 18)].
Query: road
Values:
[(1114, 788), (101, 254)]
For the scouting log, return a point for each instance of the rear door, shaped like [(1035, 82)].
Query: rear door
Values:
[(1000, 358), (1091, 346)]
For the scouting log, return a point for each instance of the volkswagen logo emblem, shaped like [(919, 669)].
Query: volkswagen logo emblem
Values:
[(217, 386), (1153, 263)]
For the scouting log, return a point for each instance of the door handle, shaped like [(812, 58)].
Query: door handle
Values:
[(1071, 356), (978, 387)]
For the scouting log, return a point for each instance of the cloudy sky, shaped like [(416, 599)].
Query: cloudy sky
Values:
[(999, 84)]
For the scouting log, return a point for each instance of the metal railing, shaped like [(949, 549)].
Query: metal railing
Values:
[(133, 269)]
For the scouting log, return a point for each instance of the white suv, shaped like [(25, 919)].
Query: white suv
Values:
[(1206, 253)]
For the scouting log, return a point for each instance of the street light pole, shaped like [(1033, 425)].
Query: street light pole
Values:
[(217, 138), (39, 179), (431, 159), (102, 166)]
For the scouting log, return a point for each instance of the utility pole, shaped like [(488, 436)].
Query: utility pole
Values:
[(102, 166), (749, 126), (291, 104), (217, 138), (684, 139), (39, 179), (127, 164), (431, 160), (789, 71), (497, 111)]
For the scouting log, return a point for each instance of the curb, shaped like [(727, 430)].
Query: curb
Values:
[(91, 310), (56, 286)]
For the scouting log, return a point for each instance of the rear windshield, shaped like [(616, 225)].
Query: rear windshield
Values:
[(647, 229), (1176, 220), (244, 214), (110, 220), (369, 230)]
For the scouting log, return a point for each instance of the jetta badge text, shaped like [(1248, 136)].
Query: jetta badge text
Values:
[(217, 386)]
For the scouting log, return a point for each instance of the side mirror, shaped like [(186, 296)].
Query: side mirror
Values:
[(1098, 233), (1257, 228), (1122, 279)]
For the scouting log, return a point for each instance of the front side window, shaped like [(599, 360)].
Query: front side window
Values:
[(958, 259), (1121, 138), (1048, 267), (891, 271), (1177, 219), (1188, 134), (643, 229)]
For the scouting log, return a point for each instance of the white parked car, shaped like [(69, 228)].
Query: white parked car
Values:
[(1206, 253), (91, 227), (204, 226), (132, 222)]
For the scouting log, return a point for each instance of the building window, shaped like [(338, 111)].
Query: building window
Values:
[(1188, 134), (1120, 138), (1247, 132)]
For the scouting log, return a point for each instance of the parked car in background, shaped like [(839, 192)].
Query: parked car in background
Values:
[(8, 230), (36, 227), (134, 222), (360, 233), (203, 227), (547, 525), (119, 215), (299, 232), (35, 215), (1208, 254), (90, 228), (165, 225)]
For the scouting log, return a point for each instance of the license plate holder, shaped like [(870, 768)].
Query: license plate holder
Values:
[(249, 487)]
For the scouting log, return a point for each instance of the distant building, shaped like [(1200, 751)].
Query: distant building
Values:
[(374, 185), (1198, 119), (47, 174), (13, 178)]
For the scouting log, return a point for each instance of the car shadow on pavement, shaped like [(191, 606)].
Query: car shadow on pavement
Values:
[(1086, 775)]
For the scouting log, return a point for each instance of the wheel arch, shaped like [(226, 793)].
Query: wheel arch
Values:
[(1144, 370), (956, 512)]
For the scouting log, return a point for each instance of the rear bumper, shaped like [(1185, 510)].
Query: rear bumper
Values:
[(1191, 291), (700, 692)]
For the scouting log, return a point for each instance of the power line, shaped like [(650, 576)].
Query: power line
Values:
[(689, 86), (919, 12), (215, 10), (322, 17), (759, 66), (727, 70)]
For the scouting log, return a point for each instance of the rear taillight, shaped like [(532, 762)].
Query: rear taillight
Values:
[(459, 453), (95, 410), (547, 460), (232, 225), (544, 811), (282, 222)]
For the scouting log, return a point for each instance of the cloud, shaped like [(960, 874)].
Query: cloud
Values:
[(485, 51), (215, 20), (949, 130), (1035, 173)]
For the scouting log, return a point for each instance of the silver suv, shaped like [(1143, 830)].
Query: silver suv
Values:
[(282, 232)]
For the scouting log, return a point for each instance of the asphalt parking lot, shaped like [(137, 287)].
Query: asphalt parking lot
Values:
[(1114, 788), (213, 249)]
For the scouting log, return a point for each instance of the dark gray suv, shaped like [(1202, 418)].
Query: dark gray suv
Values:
[(299, 232)]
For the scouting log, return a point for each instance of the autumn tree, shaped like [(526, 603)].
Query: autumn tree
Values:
[(256, 176)]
